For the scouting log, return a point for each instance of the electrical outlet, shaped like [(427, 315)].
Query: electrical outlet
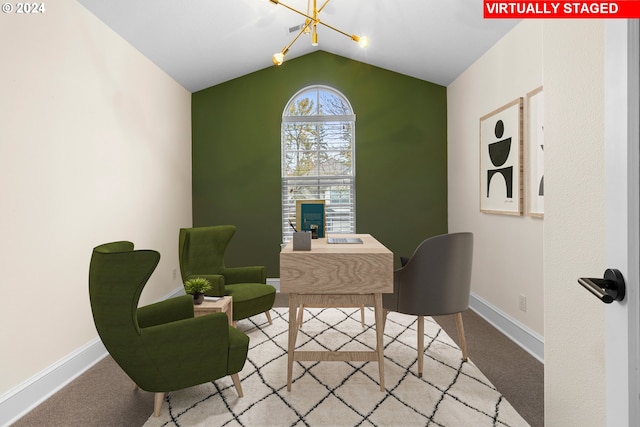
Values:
[(175, 273), (523, 303)]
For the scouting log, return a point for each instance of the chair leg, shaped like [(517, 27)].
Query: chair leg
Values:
[(300, 313), (461, 337), (420, 344), (268, 313), (384, 318), (362, 315), (157, 404), (236, 382)]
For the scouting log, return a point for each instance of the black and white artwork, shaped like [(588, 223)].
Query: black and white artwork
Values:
[(501, 160), (534, 153)]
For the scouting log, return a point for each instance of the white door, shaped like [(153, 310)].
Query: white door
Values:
[(622, 82)]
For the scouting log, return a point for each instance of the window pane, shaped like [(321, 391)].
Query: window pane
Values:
[(304, 105), (334, 163), (301, 163), (300, 136), (332, 105)]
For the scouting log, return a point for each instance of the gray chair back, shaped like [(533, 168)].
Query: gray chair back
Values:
[(437, 278)]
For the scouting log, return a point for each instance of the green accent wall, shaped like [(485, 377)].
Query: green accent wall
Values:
[(401, 154)]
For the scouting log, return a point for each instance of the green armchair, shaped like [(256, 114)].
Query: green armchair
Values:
[(161, 346), (201, 254)]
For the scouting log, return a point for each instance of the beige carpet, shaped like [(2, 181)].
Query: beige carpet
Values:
[(451, 393)]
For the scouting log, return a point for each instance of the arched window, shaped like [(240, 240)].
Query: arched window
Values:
[(318, 157)]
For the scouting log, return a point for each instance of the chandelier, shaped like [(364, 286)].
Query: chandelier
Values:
[(310, 24)]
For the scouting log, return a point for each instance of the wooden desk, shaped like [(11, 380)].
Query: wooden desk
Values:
[(224, 304), (336, 275)]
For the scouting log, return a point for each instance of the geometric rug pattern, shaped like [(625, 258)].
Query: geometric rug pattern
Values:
[(450, 393)]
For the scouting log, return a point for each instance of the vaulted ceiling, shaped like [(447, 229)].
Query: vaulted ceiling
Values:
[(201, 43)]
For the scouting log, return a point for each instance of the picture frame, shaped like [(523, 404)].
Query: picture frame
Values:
[(501, 160), (311, 213), (534, 152)]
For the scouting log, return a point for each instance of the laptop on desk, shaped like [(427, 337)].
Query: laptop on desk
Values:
[(343, 240)]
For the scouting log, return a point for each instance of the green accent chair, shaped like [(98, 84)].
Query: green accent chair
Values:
[(161, 346), (201, 253)]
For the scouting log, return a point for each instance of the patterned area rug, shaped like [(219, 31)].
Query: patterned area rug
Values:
[(450, 393)]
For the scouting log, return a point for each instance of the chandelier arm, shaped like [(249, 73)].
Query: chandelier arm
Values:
[(335, 29), (322, 7), (295, 38), (306, 15), (313, 18), (294, 10)]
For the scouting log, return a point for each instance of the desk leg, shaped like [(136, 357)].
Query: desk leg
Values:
[(379, 337), (293, 333)]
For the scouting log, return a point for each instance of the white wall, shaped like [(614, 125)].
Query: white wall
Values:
[(574, 233), (508, 249), (545, 257), (95, 146)]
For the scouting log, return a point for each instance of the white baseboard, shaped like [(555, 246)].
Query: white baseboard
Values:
[(530, 341), (18, 401), (275, 283)]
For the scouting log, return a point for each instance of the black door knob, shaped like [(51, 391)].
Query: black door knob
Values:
[(609, 289)]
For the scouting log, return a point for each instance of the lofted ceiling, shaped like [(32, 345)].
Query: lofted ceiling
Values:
[(201, 43)]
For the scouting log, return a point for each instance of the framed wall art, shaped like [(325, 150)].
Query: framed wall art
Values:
[(534, 153), (501, 160)]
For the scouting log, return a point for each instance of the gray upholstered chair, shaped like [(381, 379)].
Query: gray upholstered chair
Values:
[(435, 281)]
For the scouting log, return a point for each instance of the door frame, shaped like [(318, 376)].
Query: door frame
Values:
[(622, 187)]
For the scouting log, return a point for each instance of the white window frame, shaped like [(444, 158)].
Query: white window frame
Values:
[(340, 204)]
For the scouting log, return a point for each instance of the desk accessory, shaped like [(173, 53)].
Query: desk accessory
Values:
[(343, 240), (302, 241)]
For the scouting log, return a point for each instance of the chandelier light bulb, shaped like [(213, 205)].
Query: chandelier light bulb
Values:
[(278, 58), (363, 42)]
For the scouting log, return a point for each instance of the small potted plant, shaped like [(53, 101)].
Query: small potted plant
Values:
[(197, 287)]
